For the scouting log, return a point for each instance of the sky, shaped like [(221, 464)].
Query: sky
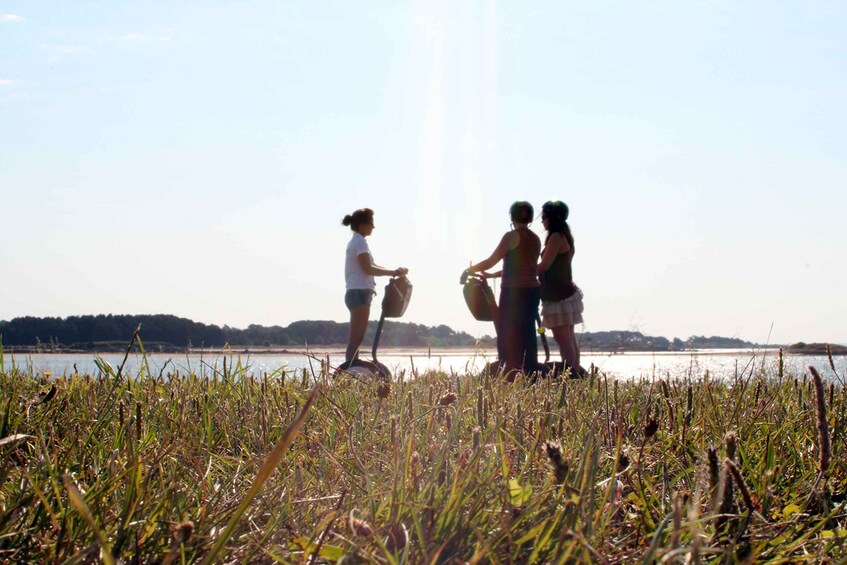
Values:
[(196, 158)]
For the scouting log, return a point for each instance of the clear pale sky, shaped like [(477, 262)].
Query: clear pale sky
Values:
[(196, 158)]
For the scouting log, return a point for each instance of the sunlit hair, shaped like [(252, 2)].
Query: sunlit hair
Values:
[(556, 213), (357, 218), (521, 212)]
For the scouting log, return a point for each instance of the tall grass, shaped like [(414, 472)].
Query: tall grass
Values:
[(439, 468)]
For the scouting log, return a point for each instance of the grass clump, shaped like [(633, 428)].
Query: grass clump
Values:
[(439, 468)]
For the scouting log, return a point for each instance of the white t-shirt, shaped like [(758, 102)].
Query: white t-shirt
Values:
[(354, 275)]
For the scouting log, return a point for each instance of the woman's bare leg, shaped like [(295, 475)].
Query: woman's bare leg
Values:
[(358, 326), (567, 345), (575, 347)]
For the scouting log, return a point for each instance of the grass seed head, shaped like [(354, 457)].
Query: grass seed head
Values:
[(557, 461), (714, 468), (360, 528), (182, 531), (731, 445), (383, 389), (415, 464), (463, 458), (824, 443), (448, 399), (651, 428), (393, 421)]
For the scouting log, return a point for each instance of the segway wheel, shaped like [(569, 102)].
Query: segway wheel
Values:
[(364, 369)]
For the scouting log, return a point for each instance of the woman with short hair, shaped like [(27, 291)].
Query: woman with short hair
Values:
[(517, 345)]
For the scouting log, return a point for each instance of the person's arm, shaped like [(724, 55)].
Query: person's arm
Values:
[(506, 243), (374, 270), (556, 244)]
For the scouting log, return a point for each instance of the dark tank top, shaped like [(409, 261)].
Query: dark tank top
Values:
[(557, 281), (519, 263)]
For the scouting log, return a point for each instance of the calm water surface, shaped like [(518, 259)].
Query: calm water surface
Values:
[(721, 363)]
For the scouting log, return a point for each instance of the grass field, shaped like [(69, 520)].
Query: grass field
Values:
[(304, 467)]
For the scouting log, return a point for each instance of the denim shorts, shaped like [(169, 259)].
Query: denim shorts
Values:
[(356, 297)]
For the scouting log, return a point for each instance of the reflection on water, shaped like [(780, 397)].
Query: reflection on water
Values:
[(722, 364)]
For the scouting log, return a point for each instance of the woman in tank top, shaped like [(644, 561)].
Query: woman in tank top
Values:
[(561, 305), (519, 291)]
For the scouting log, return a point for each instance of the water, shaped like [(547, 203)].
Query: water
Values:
[(721, 363)]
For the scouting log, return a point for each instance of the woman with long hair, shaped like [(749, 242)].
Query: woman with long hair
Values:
[(359, 273), (517, 344), (561, 299)]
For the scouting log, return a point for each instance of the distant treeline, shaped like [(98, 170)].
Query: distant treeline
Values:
[(90, 332), (629, 340), (162, 331)]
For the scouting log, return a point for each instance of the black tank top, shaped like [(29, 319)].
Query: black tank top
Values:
[(557, 281)]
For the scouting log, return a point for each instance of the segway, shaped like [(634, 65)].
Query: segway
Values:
[(483, 306), (398, 292)]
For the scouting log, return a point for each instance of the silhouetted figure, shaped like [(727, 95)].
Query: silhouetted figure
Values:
[(561, 306), (517, 346)]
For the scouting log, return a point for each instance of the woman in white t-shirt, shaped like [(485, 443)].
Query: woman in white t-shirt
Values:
[(359, 273)]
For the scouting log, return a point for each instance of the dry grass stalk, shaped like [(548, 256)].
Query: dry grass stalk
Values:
[(714, 477), (678, 509), (415, 469), (479, 405), (829, 357), (138, 420), (742, 486), (823, 427), (781, 367), (728, 499)]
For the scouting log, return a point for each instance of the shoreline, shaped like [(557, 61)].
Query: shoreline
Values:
[(397, 351)]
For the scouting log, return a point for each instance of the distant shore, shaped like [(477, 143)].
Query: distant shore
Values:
[(338, 349), (816, 349)]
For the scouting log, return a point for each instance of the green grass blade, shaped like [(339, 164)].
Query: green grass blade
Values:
[(78, 502)]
